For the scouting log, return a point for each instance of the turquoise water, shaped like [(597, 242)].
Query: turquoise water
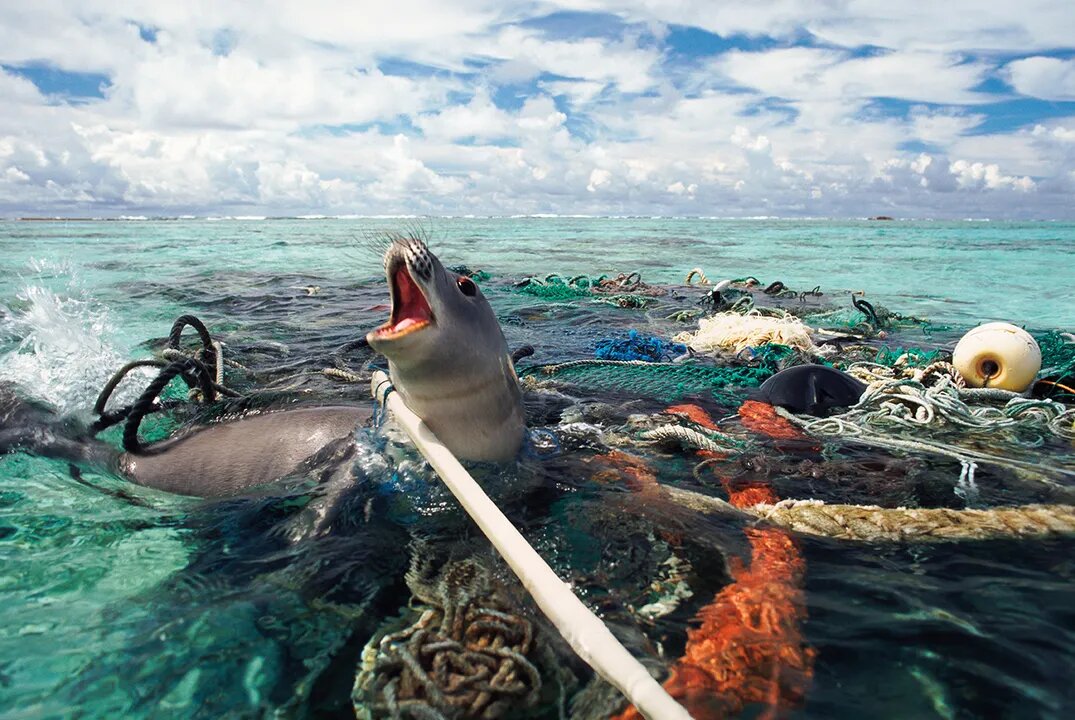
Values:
[(964, 272), (118, 601)]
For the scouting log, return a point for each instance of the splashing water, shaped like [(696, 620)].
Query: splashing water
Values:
[(62, 354)]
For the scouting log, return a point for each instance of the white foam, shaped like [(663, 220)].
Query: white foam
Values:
[(62, 354)]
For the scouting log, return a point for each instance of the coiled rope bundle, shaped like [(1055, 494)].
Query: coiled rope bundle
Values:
[(905, 403), (465, 656)]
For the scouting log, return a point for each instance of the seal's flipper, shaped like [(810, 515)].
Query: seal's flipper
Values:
[(28, 427), (24, 425)]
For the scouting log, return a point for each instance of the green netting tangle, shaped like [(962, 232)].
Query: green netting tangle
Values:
[(915, 357), (665, 380), (1057, 354), (554, 287)]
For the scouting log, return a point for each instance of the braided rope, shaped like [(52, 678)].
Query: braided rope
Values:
[(702, 279), (870, 523), (691, 439)]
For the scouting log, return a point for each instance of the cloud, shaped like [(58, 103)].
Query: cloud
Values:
[(838, 108), (479, 119), (813, 74), (1047, 78)]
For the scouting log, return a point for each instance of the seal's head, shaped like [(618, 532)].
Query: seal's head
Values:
[(447, 355)]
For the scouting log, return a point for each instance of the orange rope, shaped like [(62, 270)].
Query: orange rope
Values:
[(695, 414), (630, 468), (1063, 387), (761, 417), (748, 649)]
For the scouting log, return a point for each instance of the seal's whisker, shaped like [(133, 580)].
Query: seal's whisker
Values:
[(376, 243)]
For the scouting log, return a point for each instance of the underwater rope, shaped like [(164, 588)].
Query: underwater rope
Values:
[(877, 524), (584, 632)]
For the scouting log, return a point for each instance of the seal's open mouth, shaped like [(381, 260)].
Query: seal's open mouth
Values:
[(410, 310)]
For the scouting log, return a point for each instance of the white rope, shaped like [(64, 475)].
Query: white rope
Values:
[(583, 631)]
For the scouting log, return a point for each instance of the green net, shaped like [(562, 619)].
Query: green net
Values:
[(840, 318), (1057, 354), (554, 287), (853, 318), (912, 357), (667, 380)]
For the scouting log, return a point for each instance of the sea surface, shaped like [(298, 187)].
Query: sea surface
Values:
[(118, 601)]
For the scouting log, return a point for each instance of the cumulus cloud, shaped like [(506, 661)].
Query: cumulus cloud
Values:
[(496, 107)]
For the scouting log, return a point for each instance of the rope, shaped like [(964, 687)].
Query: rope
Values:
[(702, 279), (345, 375), (870, 523), (907, 403), (145, 404), (691, 439), (467, 651), (582, 630), (202, 371)]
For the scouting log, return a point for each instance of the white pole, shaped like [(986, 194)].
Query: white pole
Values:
[(584, 631)]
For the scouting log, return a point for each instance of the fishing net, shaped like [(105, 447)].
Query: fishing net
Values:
[(1057, 353), (554, 287), (638, 347), (666, 380), (908, 356)]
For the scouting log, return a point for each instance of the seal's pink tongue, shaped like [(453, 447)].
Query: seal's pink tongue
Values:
[(411, 308)]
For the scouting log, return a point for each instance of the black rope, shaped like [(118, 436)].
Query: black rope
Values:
[(110, 386), (189, 320), (362, 342), (866, 309), (523, 352), (774, 288), (193, 373), (209, 352)]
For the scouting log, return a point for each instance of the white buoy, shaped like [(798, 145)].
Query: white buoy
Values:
[(998, 355)]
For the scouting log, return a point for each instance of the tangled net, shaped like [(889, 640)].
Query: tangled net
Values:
[(465, 656), (667, 380), (908, 402), (624, 290), (735, 332), (638, 347)]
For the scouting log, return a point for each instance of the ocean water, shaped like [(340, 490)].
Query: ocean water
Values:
[(125, 602)]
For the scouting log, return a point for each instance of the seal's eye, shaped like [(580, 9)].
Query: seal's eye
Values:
[(467, 286)]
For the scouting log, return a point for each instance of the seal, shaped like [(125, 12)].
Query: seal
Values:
[(224, 459), (447, 356)]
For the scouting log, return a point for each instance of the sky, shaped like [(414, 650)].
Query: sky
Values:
[(791, 108)]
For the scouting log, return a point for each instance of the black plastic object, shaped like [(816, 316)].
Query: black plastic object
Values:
[(811, 389)]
